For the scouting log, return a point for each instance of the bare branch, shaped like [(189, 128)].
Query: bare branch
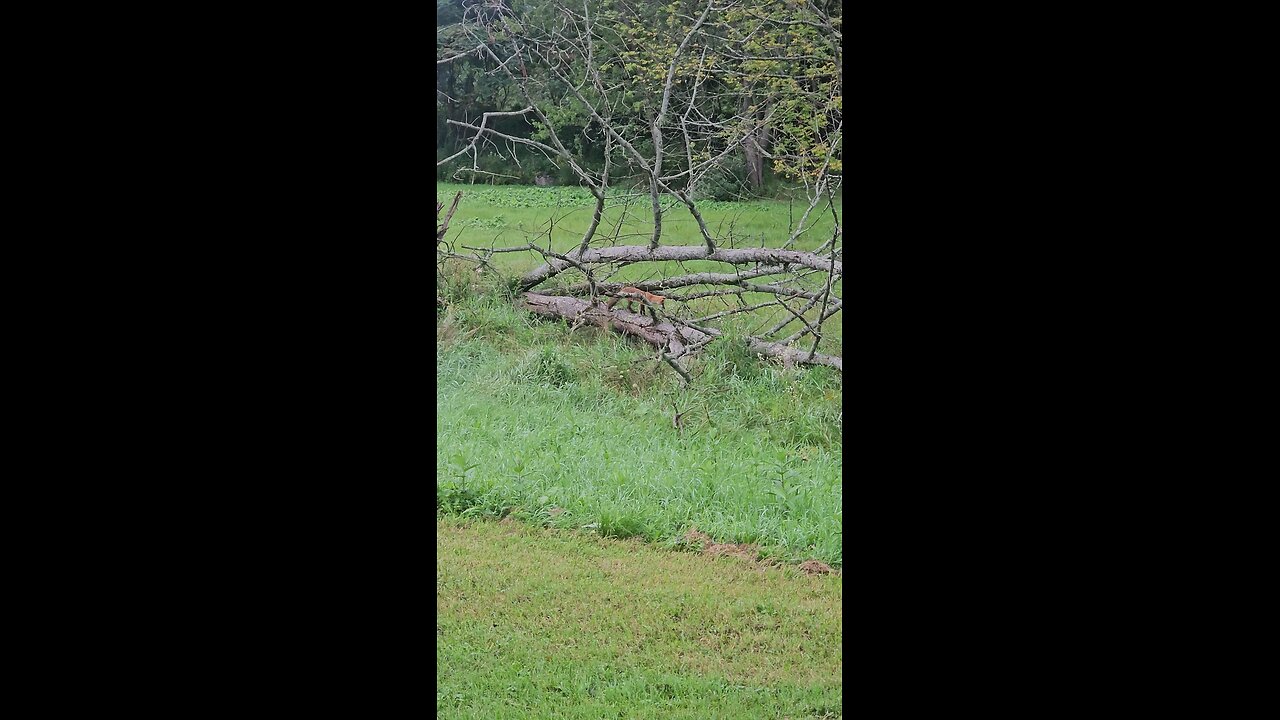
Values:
[(684, 374), (795, 314), (483, 119), (444, 227), (787, 321), (636, 253), (731, 311), (679, 339), (705, 278), (826, 295), (790, 354), (821, 319), (475, 50)]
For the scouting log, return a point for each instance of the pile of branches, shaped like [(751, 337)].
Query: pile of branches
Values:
[(556, 62)]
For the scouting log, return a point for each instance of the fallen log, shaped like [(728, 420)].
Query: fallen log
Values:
[(677, 339), (641, 253), (790, 355), (674, 339), (703, 278)]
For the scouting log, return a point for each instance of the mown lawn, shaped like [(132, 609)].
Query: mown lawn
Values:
[(538, 623)]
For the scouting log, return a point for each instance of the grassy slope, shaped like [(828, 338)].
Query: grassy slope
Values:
[(545, 624)]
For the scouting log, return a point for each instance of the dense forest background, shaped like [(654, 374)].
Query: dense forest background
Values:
[(759, 85)]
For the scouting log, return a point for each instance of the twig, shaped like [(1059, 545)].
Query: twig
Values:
[(444, 227), (826, 295)]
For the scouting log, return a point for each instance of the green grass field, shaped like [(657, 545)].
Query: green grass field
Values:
[(531, 417), (548, 624), (508, 216), (512, 214), (583, 602)]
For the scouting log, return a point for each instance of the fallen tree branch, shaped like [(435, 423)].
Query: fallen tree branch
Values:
[(684, 374), (792, 355), (571, 308), (742, 288), (680, 340), (796, 315), (675, 282), (826, 296), (821, 319), (640, 253), (788, 320), (444, 227), (672, 340), (776, 290), (732, 311), (592, 285)]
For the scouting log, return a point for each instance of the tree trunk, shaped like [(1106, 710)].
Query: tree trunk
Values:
[(674, 340), (755, 163), (752, 146)]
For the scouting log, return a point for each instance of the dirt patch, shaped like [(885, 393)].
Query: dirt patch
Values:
[(816, 567), (751, 553), (715, 549)]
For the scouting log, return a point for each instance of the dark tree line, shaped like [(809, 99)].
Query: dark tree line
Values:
[(768, 72)]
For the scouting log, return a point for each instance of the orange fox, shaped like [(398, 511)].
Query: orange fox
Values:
[(646, 299)]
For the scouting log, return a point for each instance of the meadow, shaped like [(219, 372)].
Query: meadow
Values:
[(569, 583), (573, 430), (533, 417), (498, 214), (514, 215)]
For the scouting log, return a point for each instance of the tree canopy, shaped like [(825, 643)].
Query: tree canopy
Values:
[(707, 97)]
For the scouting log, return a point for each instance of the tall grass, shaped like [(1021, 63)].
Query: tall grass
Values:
[(574, 429)]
